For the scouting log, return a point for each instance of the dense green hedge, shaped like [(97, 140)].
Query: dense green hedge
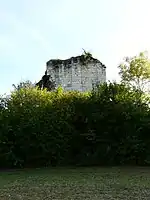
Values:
[(108, 126)]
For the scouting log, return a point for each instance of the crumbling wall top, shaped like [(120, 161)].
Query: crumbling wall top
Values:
[(73, 60)]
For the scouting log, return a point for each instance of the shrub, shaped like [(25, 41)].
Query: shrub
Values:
[(107, 126)]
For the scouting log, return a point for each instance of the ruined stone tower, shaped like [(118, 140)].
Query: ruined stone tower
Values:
[(76, 73)]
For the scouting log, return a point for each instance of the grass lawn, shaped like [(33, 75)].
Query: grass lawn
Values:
[(76, 184)]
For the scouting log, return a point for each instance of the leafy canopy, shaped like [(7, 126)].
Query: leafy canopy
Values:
[(135, 71)]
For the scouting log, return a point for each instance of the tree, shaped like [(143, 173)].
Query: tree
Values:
[(46, 83), (135, 71), (2, 102), (25, 84)]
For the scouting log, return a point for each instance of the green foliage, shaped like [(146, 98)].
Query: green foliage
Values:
[(103, 127), (85, 58), (136, 71), (24, 84)]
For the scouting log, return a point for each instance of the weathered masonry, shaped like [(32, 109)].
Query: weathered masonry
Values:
[(76, 74)]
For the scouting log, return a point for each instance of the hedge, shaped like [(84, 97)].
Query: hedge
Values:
[(109, 125)]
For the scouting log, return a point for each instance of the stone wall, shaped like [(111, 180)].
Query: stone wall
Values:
[(72, 74)]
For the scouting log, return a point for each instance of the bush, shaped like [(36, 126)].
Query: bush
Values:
[(107, 126)]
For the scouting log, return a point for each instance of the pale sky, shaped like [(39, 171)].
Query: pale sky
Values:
[(35, 31)]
